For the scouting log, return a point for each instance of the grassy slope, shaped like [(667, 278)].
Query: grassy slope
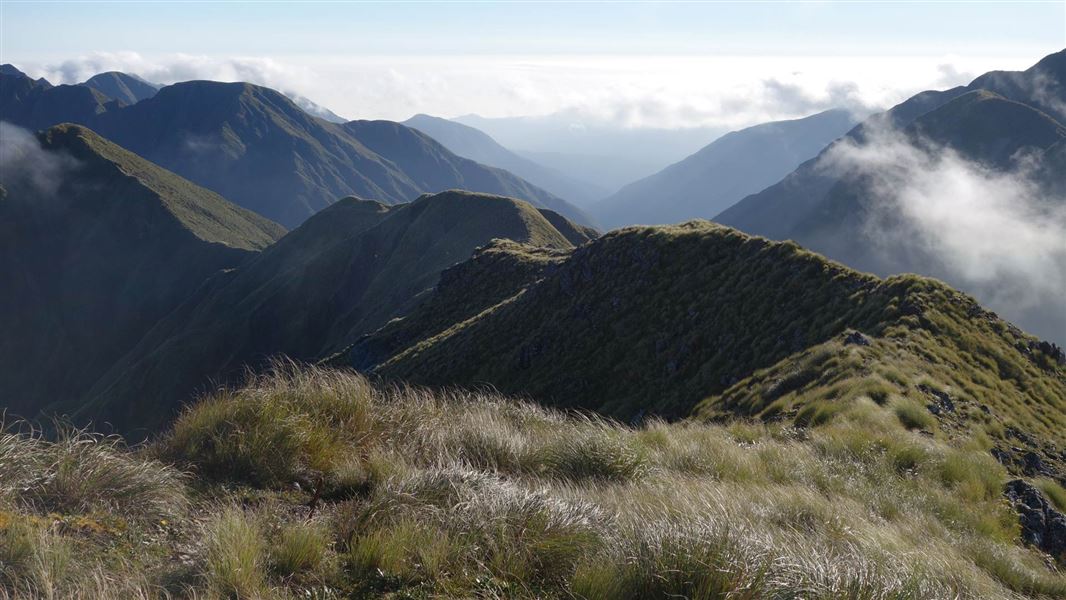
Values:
[(345, 272), (662, 320), (203, 213), (403, 493), (92, 264)]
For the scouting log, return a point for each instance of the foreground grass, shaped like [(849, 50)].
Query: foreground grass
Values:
[(314, 484)]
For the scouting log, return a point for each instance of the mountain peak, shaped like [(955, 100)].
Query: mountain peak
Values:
[(128, 88)]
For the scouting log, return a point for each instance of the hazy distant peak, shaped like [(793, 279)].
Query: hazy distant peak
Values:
[(124, 87)]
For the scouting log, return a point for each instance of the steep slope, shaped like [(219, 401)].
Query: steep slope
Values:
[(660, 321), (733, 166), (477, 145), (129, 89), (97, 245), (257, 148), (343, 273)]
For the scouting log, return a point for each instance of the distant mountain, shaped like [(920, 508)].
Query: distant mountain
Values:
[(1000, 123), (343, 273), (96, 245), (702, 320), (604, 154), (259, 149), (129, 89), (476, 145), (733, 166)]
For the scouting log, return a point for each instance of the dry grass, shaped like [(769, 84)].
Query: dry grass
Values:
[(453, 494)]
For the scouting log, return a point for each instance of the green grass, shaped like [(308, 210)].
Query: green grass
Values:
[(458, 494)]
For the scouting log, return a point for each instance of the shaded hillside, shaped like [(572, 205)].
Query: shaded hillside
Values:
[(97, 245), (130, 89), (728, 169), (257, 148), (343, 273), (658, 321), (474, 144)]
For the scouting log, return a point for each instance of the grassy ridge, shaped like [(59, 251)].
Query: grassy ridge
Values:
[(669, 320), (315, 483)]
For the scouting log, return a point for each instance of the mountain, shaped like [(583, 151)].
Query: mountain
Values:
[(733, 166), (606, 154), (9, 69), (256, 147), (343, 273), (476, 145), (872, 198), (98, 244), (129, 89), (702, 320)]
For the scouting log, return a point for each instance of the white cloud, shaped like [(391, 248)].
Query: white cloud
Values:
[(24, 165), (995, 234), (636, 91)]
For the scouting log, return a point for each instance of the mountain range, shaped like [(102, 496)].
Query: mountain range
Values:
[(256, 147), (206, 289), (718, 175)]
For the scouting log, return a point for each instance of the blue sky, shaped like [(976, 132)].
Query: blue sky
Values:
[(538, 57)]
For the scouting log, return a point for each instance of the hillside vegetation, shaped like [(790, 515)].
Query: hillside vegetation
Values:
[(316, 483)]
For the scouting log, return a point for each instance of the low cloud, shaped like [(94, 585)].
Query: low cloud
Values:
[(995, 234), (25, 167)]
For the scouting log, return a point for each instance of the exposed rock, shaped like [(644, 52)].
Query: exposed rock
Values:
[(941, 401), (856, 338), (1042, 525)]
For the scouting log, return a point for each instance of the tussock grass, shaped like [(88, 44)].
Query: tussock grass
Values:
[(468, 494)]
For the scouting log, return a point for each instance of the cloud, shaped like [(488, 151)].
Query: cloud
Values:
[(722, 92), (995, 234), (25, 167)]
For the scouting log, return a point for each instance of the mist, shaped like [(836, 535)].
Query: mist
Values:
[(995, 234)]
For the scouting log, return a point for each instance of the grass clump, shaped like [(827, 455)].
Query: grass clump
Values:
[(236, 554), (913, 415)]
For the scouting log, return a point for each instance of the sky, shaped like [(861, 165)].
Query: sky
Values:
[(634, 64)]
